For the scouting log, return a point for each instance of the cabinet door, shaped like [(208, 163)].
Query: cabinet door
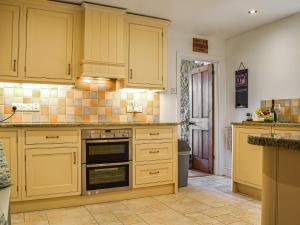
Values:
[(145, 55), (248, 158), (49, 37), (9, 30), (51, 172), (10, 146)]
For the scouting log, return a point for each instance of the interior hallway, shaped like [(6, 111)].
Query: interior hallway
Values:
[(206, 201)]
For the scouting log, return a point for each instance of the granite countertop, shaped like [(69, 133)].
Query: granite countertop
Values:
[(289, 141), (16, 125), (271, 124)]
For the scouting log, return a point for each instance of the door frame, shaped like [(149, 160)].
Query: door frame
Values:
[(219, 104)]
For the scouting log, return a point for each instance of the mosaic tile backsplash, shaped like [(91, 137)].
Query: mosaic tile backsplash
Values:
[(289, 109), (95, 101)]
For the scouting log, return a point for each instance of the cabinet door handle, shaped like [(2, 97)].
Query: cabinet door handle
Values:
[(154, 172), (130, 73), (69, 69), (154, 133), (49, 137), (74, 158), (15, 65)]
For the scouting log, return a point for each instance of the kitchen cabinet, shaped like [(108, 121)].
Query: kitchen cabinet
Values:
[(154, 157), (9, 141), (247, 160), (103, 42), (147, 40), (282, 130), (9, 39), (51, 172), (49, 38)]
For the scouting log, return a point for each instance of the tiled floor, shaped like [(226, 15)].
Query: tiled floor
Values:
[(206, 201)]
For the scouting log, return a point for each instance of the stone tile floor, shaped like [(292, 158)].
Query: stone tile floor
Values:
[(206, 201)]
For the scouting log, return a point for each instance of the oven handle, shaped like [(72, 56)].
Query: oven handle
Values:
[(106, 141), (107, 164)]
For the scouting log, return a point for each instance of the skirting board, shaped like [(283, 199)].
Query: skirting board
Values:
[(52, 203)]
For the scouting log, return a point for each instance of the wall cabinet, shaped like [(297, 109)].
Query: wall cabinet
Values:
[(51, 171), (49, 38), (103, 42), (9, 141), (146, 52), (9, 39), (247, 158)]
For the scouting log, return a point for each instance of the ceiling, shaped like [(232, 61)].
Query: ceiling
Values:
[(222, 18)]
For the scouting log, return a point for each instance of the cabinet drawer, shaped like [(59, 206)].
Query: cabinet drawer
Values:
[(33, 137), (153, 133), (153, 151), (153, 173)]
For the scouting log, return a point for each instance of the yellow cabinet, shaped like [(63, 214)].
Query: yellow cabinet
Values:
[(8, 139), (146, 52), (51, 172), (247, 159), (49, 39), (9, 40), (103, 42)]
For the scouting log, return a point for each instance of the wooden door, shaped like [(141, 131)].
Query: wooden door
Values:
[(202, 118), (8, 139), (9, 40), (248, 158), (145, 55), (49, 37), (51, 171)]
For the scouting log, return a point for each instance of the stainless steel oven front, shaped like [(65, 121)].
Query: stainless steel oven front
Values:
[(106, 160)]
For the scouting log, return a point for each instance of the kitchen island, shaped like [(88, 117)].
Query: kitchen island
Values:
[(281, 177)]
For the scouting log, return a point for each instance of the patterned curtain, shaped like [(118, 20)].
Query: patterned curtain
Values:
[(185, 70)]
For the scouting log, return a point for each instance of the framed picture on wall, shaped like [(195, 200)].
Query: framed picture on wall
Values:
[(241, 88)]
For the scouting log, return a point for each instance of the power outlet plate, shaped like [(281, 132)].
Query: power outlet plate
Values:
[(27, 107)]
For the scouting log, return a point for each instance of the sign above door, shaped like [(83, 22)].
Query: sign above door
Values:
[(200, 45)]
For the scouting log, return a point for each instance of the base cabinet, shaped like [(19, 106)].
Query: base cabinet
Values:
[(51, 172), (9, 141)]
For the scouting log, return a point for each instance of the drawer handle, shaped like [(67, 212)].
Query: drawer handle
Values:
[(52, 137), (154, 133), (14, 69), (153, 152), (154, 172)]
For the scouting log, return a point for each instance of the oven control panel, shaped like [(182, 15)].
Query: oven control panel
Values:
[(106, 134)]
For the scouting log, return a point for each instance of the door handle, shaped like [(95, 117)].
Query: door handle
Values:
[(14, 69), (69, 69), (130, 73), (192, 123), (74, 158)]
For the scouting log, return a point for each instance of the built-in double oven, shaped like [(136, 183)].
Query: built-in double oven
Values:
[(106, 160)]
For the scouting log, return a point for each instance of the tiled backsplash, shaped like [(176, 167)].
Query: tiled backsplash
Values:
[(289, 109), (87, 102)]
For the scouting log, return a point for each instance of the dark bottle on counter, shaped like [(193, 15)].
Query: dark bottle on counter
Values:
[(273, 110)]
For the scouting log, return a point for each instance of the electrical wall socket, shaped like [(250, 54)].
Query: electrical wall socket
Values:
[(27, 107)]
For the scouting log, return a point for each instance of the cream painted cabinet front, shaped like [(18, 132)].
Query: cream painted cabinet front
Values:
[(103, 42), (282, 130), (247, 159), (9, 141), (49, 44), (9, 39), (146, 52), (51, 172)]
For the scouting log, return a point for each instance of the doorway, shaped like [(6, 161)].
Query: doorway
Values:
[(197, 114)]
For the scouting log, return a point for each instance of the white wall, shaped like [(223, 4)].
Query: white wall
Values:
[(272, 55)]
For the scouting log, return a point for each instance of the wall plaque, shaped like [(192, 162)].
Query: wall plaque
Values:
[(200, 45)]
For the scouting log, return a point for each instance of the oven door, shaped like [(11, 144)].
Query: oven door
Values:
[(106, 151), (106, 177)]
